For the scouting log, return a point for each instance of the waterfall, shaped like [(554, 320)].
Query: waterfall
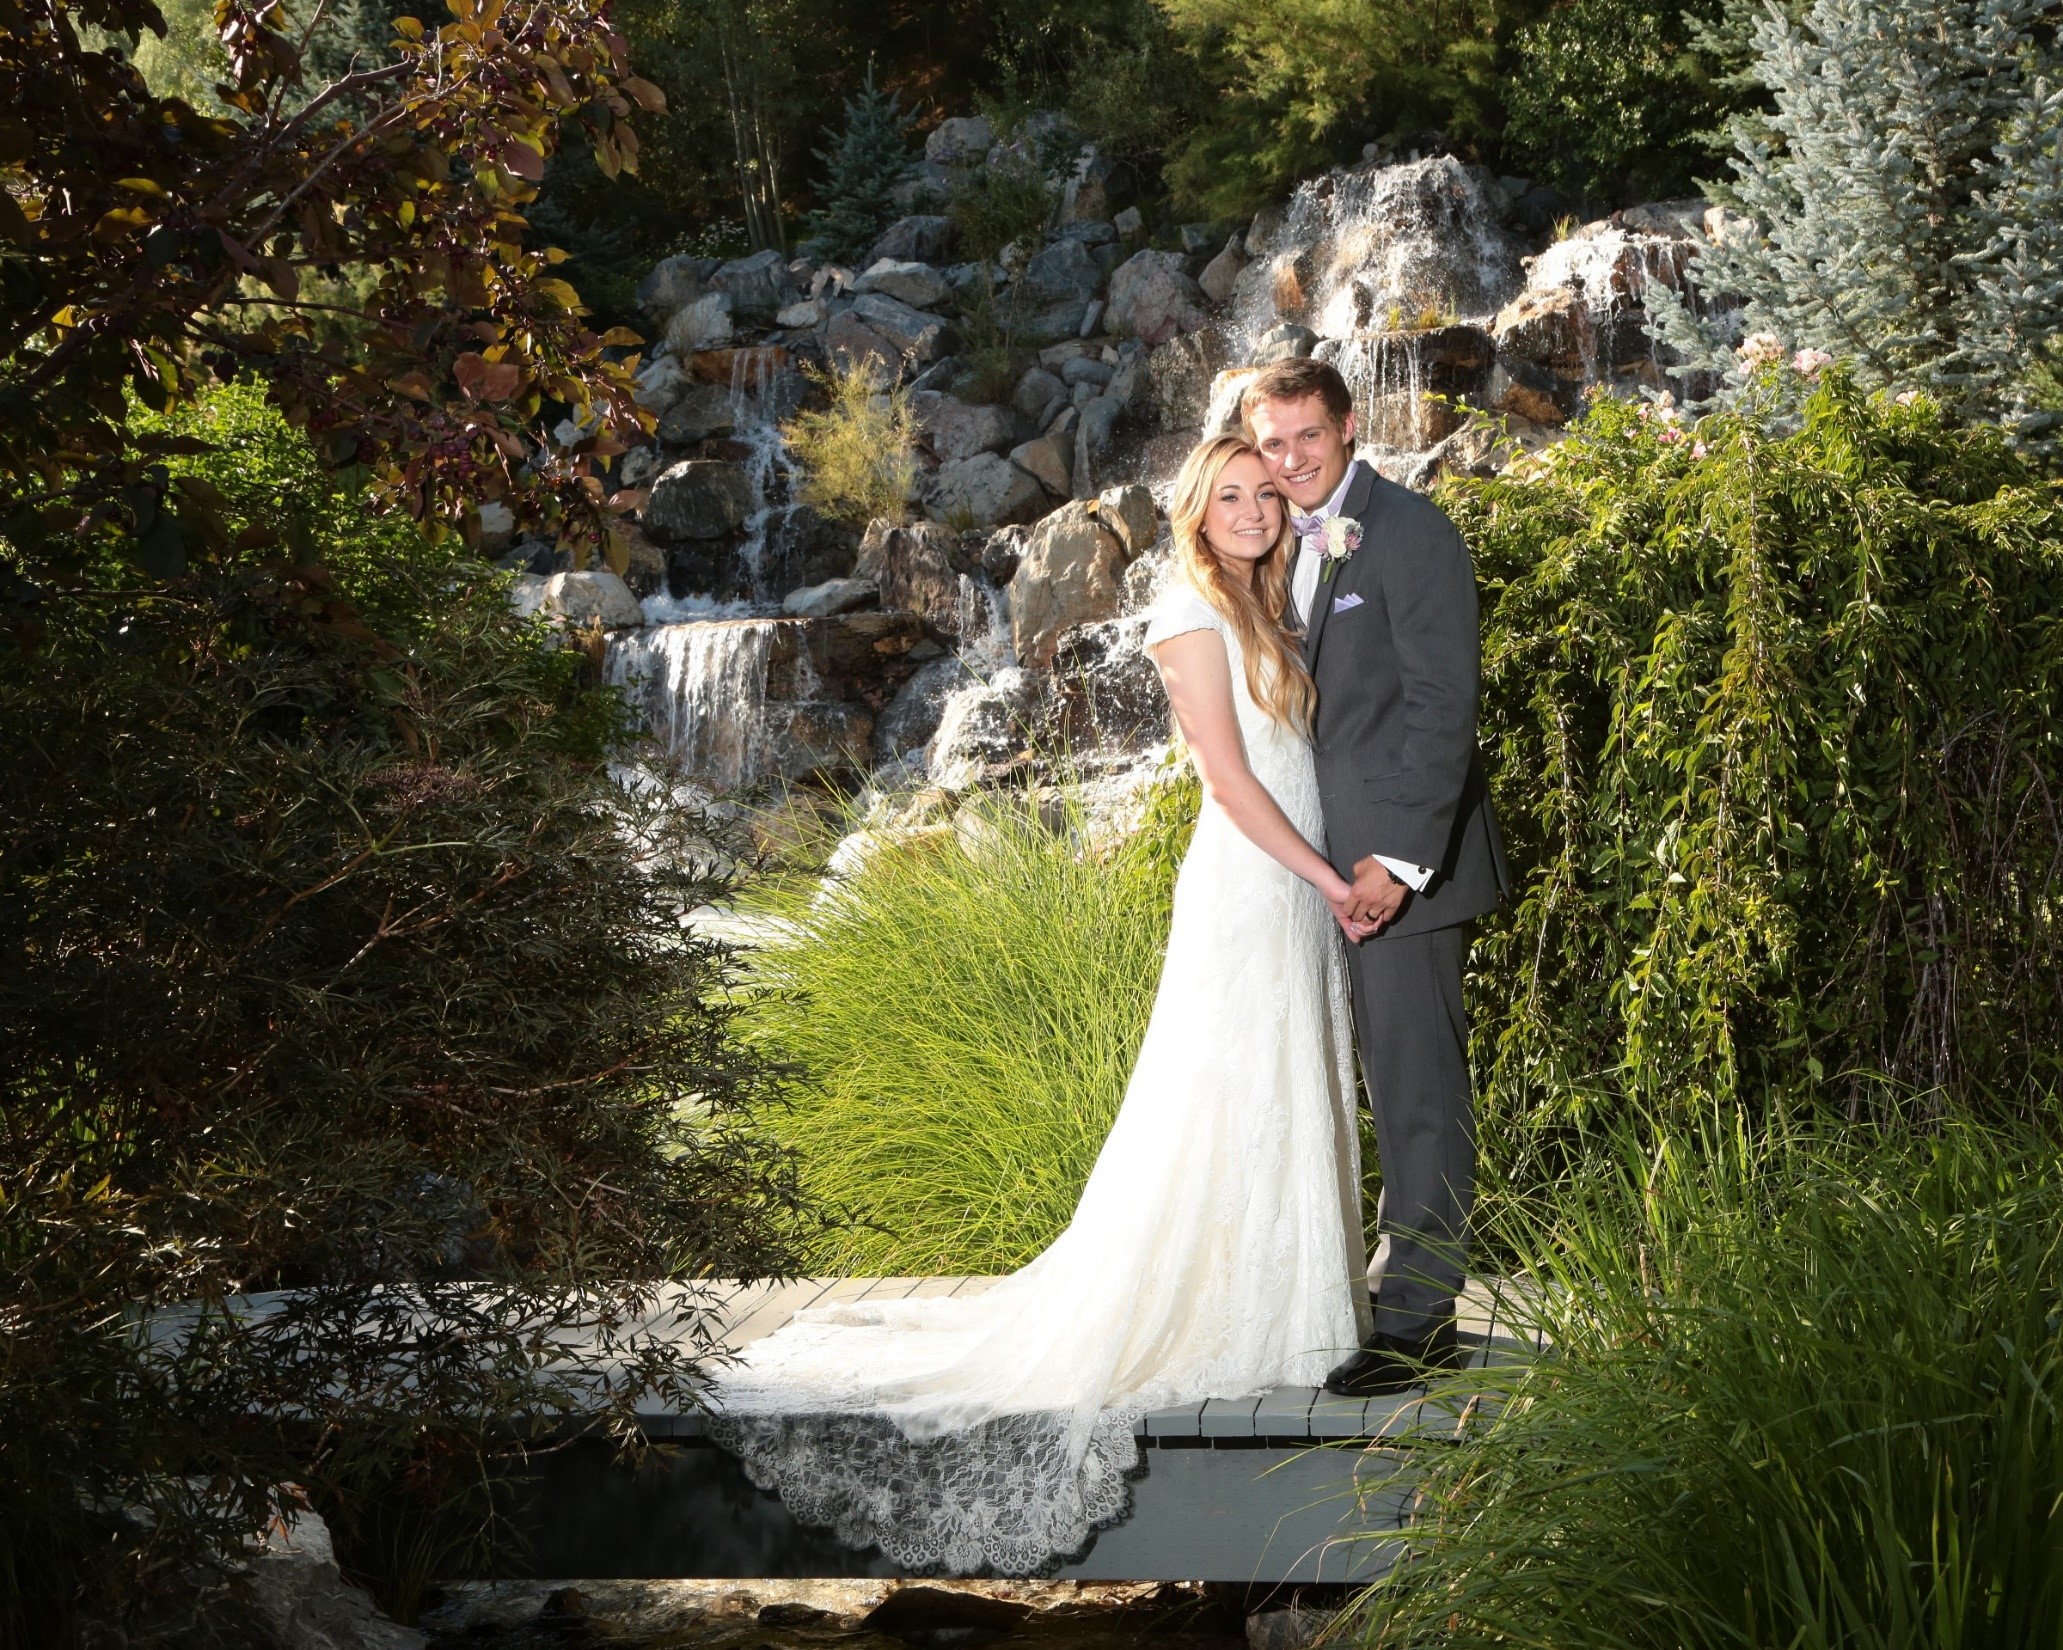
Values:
[(1610, 272), (767, 463), (702, 689), (1385, 373), (1379, 249)]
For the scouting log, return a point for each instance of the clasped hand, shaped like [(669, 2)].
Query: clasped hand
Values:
[(1370, 903)]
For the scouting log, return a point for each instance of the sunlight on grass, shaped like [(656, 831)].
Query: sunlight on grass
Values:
[(1804, 1392), (966, 1010)]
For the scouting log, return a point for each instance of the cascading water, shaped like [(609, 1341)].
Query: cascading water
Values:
[(1379, 249), (767, 464), (702, 687), (1610, 270), (1385, 373), (699, 668)]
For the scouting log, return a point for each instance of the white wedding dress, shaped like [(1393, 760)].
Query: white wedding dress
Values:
[(1216, 1250)]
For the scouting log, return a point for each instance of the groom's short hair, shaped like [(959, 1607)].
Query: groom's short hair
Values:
[(1294, 380)]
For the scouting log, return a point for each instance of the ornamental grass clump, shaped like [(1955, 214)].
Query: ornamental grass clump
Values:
[(965, 1010), (857, 450), (1803, 1390), (1773, 711)]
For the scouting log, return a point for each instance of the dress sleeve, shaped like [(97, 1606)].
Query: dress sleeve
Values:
[(1177, 610)]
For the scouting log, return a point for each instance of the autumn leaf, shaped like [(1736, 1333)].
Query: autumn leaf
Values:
[(523, 160), (649, 97), (121, 222)]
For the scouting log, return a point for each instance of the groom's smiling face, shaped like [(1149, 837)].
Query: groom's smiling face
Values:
[(1306, 449)]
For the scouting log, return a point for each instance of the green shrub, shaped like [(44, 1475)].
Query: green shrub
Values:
[(1606, 101), (1804, 1391), (338, 964), (995, 207), (856, 451), (966, 1010), (1771, 709)]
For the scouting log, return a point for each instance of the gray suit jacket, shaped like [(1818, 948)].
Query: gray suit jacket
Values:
[(1397, 674)]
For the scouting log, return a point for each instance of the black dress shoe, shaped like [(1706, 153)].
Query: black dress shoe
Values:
[(1392, 1363)]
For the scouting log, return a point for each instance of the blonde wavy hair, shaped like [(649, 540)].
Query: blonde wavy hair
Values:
[(1275, 673)]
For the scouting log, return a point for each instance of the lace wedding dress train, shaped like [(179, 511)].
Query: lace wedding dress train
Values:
[(1216, 1250)]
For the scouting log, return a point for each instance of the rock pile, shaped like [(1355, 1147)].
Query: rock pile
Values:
[(1030, 536)]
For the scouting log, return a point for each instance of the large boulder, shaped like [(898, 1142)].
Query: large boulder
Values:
[(909, 721), (985, 725), (953, 428), (1182, 372), (964, 141), (759, 286), (1063, 271), (698, 412), (698, 498), (673, 282), (917, 569), (1129, 513), (921, 238), (1151, 298), (1051, 322), (918, 285), (1039, 394), (1071, 573), (853, 345), (983, 491), (919, 336), (593, 597), (1284, 341), (1222, 273), (1092, 441), (1548, 326), (700, 324), (1050, 457)]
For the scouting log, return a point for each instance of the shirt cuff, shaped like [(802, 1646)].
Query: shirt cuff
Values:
[(1414, 877)]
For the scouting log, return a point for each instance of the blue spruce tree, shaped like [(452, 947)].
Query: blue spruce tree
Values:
[(1901, 198), (862, 172)]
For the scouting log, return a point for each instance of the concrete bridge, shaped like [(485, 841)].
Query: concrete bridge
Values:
[(1293, 1486)]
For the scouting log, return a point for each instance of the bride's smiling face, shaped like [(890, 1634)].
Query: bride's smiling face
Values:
[(1244, 519)]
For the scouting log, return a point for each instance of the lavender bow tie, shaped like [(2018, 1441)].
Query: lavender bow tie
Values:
[(1306, 526)]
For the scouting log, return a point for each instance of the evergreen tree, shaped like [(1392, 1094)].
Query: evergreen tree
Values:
[(1903, 193), (862, 171)]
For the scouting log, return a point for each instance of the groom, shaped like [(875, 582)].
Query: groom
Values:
[(1388, 606)]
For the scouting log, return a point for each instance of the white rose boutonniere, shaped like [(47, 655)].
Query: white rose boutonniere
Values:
[(1342, 539)]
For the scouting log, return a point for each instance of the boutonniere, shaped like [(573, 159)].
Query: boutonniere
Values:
[(1342, 539)]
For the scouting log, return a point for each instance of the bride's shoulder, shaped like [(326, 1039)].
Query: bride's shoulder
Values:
[(1180, 608)]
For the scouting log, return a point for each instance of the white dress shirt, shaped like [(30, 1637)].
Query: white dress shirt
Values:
[(1303, 589)]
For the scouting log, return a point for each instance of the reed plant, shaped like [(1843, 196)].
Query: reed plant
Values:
[(965, 1009), (1802, 1391)]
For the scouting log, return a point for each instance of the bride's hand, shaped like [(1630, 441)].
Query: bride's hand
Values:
[(1337, 898)]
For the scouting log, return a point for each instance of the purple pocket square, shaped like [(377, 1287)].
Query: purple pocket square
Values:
[(1340, 604)]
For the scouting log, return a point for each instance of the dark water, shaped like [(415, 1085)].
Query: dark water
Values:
[(860, 1614)]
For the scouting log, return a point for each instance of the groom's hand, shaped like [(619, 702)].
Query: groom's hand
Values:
[(1377, 896)]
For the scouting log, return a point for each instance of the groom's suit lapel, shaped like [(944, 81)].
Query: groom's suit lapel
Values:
[(1355, 505)]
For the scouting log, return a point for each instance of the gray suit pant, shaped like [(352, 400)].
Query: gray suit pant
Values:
[(1414, 1057)]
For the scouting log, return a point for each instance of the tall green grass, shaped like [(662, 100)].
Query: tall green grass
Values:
[(1803, 1393), (965, 1012)]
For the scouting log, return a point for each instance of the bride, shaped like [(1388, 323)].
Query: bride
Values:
[(1217, 1248)]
